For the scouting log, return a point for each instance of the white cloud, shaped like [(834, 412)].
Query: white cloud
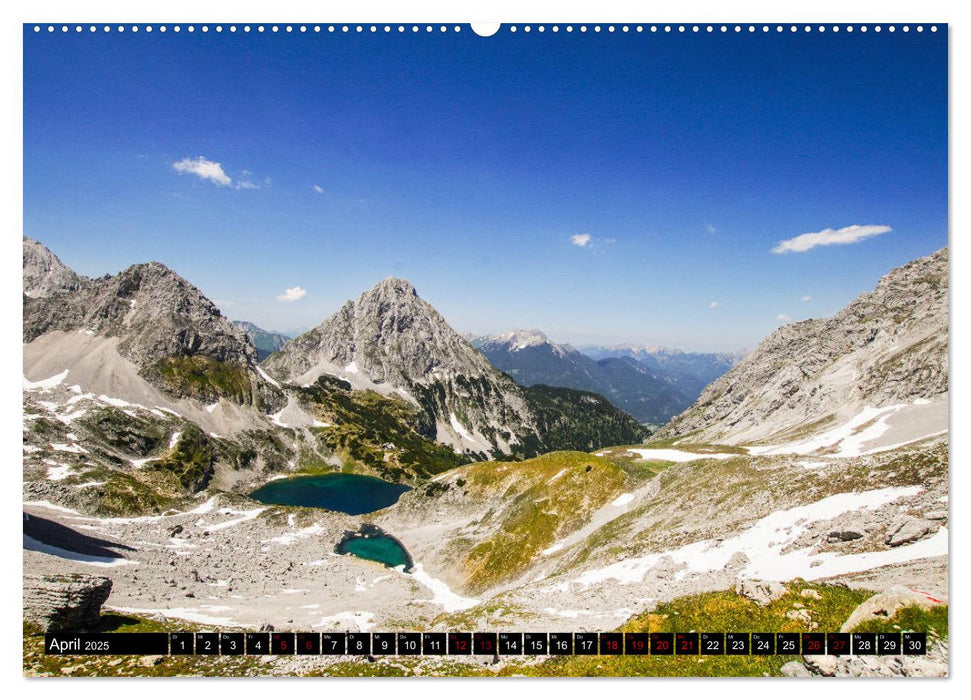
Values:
[(714, 304), (710, 229), (807, 298), (293, 294), (582, 240), (843, 236), (318, 189), (246, 185), (206, 169), (785, 318)]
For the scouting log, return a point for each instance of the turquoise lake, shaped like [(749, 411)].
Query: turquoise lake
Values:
[(353, 494), (376, 547)]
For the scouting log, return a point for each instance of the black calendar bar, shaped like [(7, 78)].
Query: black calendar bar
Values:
[(487, 643), (106, 643)]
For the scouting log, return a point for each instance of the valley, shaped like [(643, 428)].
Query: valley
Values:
[(379, 473)]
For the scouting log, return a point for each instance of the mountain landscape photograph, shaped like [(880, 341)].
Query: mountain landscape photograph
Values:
[(570, 332)]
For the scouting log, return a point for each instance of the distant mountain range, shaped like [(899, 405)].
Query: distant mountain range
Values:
[(265, 342), (652, 385)]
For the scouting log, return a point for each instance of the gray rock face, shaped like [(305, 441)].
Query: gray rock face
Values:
[(390, 339), (155, 313), (45, 274), (888, 346), (61, 603), (905, 529)]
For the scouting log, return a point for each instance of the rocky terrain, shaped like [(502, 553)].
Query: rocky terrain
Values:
[(45, 274), (887, 348), (173, 335), (795, 526)]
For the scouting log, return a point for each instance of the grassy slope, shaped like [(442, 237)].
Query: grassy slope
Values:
[(543, 499)]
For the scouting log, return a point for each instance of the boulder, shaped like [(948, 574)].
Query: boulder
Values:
[(794, 669), (65, 602), (905, 529), (885, 605), (760, 592), (847, 534), (822, 665)]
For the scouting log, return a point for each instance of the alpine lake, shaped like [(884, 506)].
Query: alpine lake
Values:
[(354, 494)]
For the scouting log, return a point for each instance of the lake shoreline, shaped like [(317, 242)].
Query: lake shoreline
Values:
[(372, 531)]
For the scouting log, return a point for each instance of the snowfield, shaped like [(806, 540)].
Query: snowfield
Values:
[(668, 455), (764, 542)]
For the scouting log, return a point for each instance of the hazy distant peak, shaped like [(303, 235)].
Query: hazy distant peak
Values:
[(519, 339)]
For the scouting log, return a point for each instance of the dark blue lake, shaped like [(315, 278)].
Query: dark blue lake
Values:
[(353, 494)]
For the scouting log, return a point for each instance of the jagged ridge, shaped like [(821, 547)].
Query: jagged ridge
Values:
[(888, 346)]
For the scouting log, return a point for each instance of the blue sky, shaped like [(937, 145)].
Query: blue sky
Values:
[(602, 187)]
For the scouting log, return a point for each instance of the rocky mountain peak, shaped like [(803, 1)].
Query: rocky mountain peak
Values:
[(886, 347), (389, 339), (392, 287), (152, 309), (45, 274), (174, 336)]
